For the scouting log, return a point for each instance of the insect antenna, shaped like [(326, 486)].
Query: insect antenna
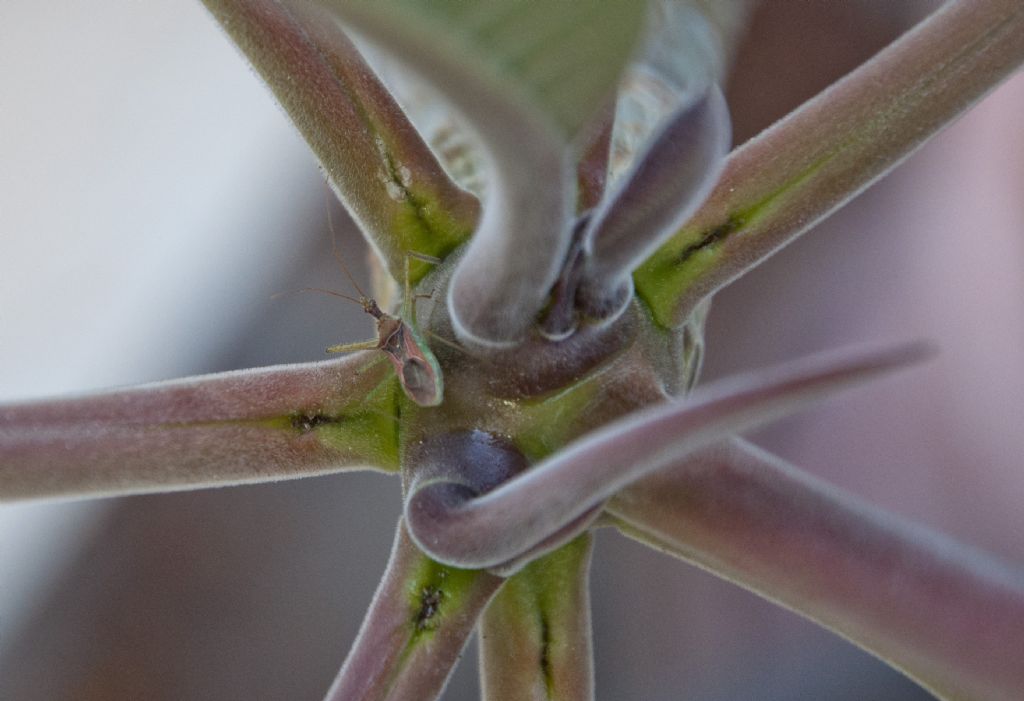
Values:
[(333, 293), (337, 254), (444, 341)]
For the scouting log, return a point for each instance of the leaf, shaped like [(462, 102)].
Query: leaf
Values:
[(381, 169), (666, 184), (246, 426), (948, 616), (813, 161), (535, 640), (556, 499), (682, 54), (557, 59), (414, 632), (527, 75)]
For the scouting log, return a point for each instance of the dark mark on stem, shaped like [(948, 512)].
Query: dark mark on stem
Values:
[(304, 423), (710, 237), (430, 604), (545, 652)]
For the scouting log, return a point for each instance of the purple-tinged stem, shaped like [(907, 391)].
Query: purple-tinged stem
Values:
[(535, 636), (515, 256), (420, 619), (665, 185), (662, 190), (457, 523), (560, 319), (948, 616), (236, 427), (592, 170), (781, 183), (526, 81), (382, 170)]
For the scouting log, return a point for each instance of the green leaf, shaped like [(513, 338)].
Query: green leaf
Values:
[(559, 58), (526, 75)]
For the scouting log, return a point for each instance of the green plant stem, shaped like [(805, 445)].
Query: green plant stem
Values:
[(412, 636), (535, 637), (229, 428), (781, 183), (386, 175)]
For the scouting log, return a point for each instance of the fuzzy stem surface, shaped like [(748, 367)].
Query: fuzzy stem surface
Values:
[(948, 616), (535, 637), (420, 619), (810, 163), (376, 161), (550, 502), (228, 428)]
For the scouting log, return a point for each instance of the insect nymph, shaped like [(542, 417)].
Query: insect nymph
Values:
[(400, 340)]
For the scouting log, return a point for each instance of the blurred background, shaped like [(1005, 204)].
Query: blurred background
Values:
[(153, 198)]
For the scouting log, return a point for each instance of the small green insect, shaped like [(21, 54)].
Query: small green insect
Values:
[(415, 364)]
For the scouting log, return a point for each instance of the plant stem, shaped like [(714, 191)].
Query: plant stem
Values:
[(228, 428), (949, 617), (552, 502), (384, 173), (535, 637), (412, 636), (784, 181)]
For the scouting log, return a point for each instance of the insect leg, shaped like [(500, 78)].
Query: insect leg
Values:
[(357, 346)]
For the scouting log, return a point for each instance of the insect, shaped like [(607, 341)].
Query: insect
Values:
[(400, 340), (415, 364)]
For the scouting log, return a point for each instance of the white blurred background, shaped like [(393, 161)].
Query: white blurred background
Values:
[(152, 198)]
